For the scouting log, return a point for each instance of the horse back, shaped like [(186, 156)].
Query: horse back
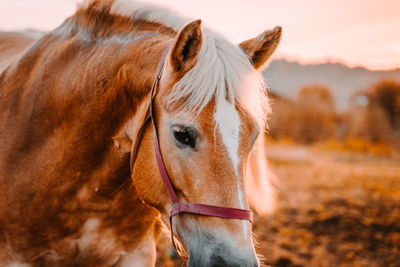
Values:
[(13, 44)]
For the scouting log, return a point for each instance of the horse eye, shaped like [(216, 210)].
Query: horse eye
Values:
[(184, 136)]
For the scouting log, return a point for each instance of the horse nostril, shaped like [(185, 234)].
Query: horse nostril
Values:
[(218, 261)]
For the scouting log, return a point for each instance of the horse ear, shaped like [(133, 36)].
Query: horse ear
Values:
[(259, 49), (186, 48)]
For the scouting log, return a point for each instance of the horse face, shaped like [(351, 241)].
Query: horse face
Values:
[(205, 155)]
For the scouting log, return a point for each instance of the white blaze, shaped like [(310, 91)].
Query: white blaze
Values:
[(228, 123)]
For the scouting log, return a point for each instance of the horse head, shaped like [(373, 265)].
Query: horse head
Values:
[(209, 110)]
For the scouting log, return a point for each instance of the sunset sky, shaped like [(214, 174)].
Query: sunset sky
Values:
[(354, 32)]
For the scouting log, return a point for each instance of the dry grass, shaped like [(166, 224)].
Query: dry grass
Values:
[(336, 208)]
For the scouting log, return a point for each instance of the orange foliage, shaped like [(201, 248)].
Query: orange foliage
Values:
[(379, 120), (309, 118), (370, 126), (386, 94)]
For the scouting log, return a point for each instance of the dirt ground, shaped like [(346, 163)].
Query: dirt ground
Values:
[(334, 209)]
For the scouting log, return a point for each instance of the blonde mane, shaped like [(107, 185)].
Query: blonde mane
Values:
[(222, 71)]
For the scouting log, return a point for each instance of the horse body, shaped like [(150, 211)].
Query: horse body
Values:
[(69, 109), (58, 131)]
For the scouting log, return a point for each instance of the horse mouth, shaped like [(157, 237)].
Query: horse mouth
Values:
[(214, 249)]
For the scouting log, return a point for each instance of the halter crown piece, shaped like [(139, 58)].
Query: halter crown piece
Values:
[(177, 207)]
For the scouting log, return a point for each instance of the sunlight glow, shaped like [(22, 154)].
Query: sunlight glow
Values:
[(354, 32)]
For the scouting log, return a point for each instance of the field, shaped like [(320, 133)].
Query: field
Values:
[(334, 209)]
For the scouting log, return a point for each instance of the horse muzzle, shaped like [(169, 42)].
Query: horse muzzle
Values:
[(219, 261), (207, 249)]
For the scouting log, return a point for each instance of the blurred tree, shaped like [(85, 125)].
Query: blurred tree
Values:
[(308, 118), (366, 119), (386, 94), (375, 113), (318, 93), (284, 114), (316, 114)]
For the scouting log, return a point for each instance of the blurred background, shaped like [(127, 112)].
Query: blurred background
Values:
[(334, 134)]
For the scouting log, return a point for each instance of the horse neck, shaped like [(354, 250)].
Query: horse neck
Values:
[(78, 93), (61, 105)]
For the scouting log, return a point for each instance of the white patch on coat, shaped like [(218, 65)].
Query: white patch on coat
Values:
[(18, 264), (143, 256), (228, 123), (89, 233), (102, 241), (196, 183)]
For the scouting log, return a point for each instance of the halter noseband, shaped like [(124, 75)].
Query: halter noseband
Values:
[(177, 207)]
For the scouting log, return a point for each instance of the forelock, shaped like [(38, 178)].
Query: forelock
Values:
[(223, 71)]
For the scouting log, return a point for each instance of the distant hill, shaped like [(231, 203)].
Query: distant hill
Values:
[(286, 78)]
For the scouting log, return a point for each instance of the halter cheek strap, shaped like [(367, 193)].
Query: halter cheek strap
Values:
[(177, 207)]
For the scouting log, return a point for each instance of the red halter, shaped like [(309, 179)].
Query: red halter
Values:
[(178, 207)]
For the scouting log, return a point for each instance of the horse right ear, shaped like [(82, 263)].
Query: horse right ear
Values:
[(186, 48), (259, 49)]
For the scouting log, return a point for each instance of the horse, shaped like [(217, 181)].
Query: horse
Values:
[(74, 102), (12, 44)]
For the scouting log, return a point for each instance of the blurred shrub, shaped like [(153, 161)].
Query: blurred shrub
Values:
[(307, 119), (367, 122), (316, 114), (283, 116), (371, 125), (379, 119), (365, 146), (334, 144), (355, 145), (386, 95)]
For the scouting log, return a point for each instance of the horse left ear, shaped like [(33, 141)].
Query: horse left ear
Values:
[(260, 49), (186, 48)]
